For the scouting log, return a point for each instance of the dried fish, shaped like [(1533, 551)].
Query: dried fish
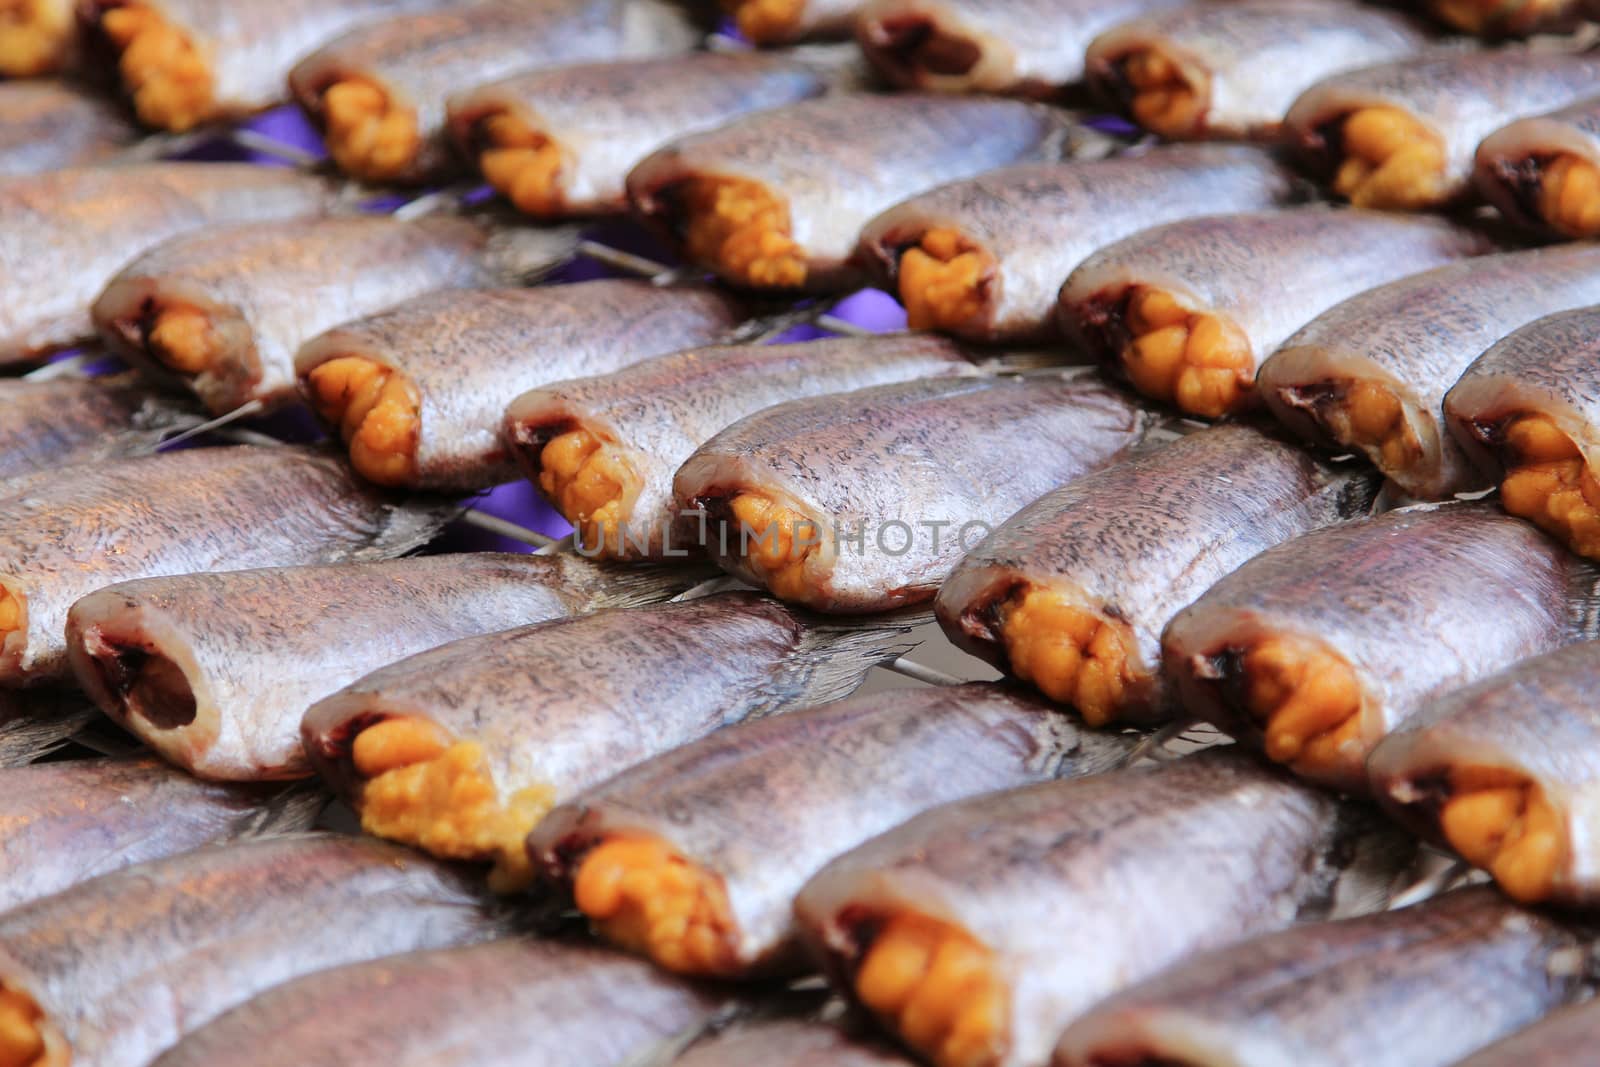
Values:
[(68, 231), (463, 749), (989, 46), (114, 970), (187, 62), (224, 310), (36, 37), (215, 671), (788, 1043), (69, 420), (1319, 648), (511, 1003), (418, 392), (47, 125), (777, 200), (1544, 172), (1192, 308), (1422, 986), (35, 723), (65, 822), (1526, 411), (865, 501), (177, 513), (1503, 772), (1371, 374), (977, 931), (1511, 18), (673, 858), (561, 141), (1402, 135), (1071, 594), (1235, 70), (1563, 1038), (604, 449), (380, 91), (984, 258)]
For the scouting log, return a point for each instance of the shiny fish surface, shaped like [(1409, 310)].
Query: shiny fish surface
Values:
[(176, 513), (865, 501), (69, 420), (1073, 591), (1563, 1038), (1421, 986), (380, 92), (215, 671), (814, 779), (462, 749), (48, 125), (1528, 412), (186, 62), (1544, 172), (450, 362), (1504, 771), (635, 427), (511, 1003), (1234, 70), (225, 310), (67, 232), (114, 970), (1371, 374), (561, 141), (1321, 647), (777, 200), (1190, 310), (1402, 135), (992, 46), (65, 822), (984, 258), (1019, 886)]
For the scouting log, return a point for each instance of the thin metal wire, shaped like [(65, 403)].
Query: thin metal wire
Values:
[(245, 410), (255, 141)]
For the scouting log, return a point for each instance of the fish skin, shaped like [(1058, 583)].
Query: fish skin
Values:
[(421, 59), (50, 125), (1270, 272), (909, 453), (250, 48), (1140, 540), (569, 703), (252, 282), (471, 353), (1499, 164), (70, 420), (176, 513), (608, 116), (839, 161), (666, 407), (1547, 367), (1426, 984), (789, 1043), (1417, 336), (1561, 1039), (1034, 48), (815, 779), (1032, 873), (253, 676), (67, 233), (1040, 220), (1535, 720), (126, 964), (65, 822), (1401, 597), (510, 1003), (1461, 96), (1251, 60)]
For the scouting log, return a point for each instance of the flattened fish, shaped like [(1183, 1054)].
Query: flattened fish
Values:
[(1544, 172), (1072, 592), (48, 125), (418, 392), (69, 420)]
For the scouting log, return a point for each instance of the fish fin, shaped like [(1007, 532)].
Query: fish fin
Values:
[(35, 724), (1363, 867), (525, 254), (407, 527), (1583, 600), (834, 656), (618, 585), (292, 808)]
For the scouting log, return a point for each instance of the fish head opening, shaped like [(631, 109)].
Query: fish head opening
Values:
[(913, 48), (141, 680)]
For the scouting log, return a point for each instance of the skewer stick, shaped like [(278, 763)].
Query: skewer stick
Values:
[(506, 528), (243, 411), (61, 368), (916, 671), (255, 141), (615, 257)]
